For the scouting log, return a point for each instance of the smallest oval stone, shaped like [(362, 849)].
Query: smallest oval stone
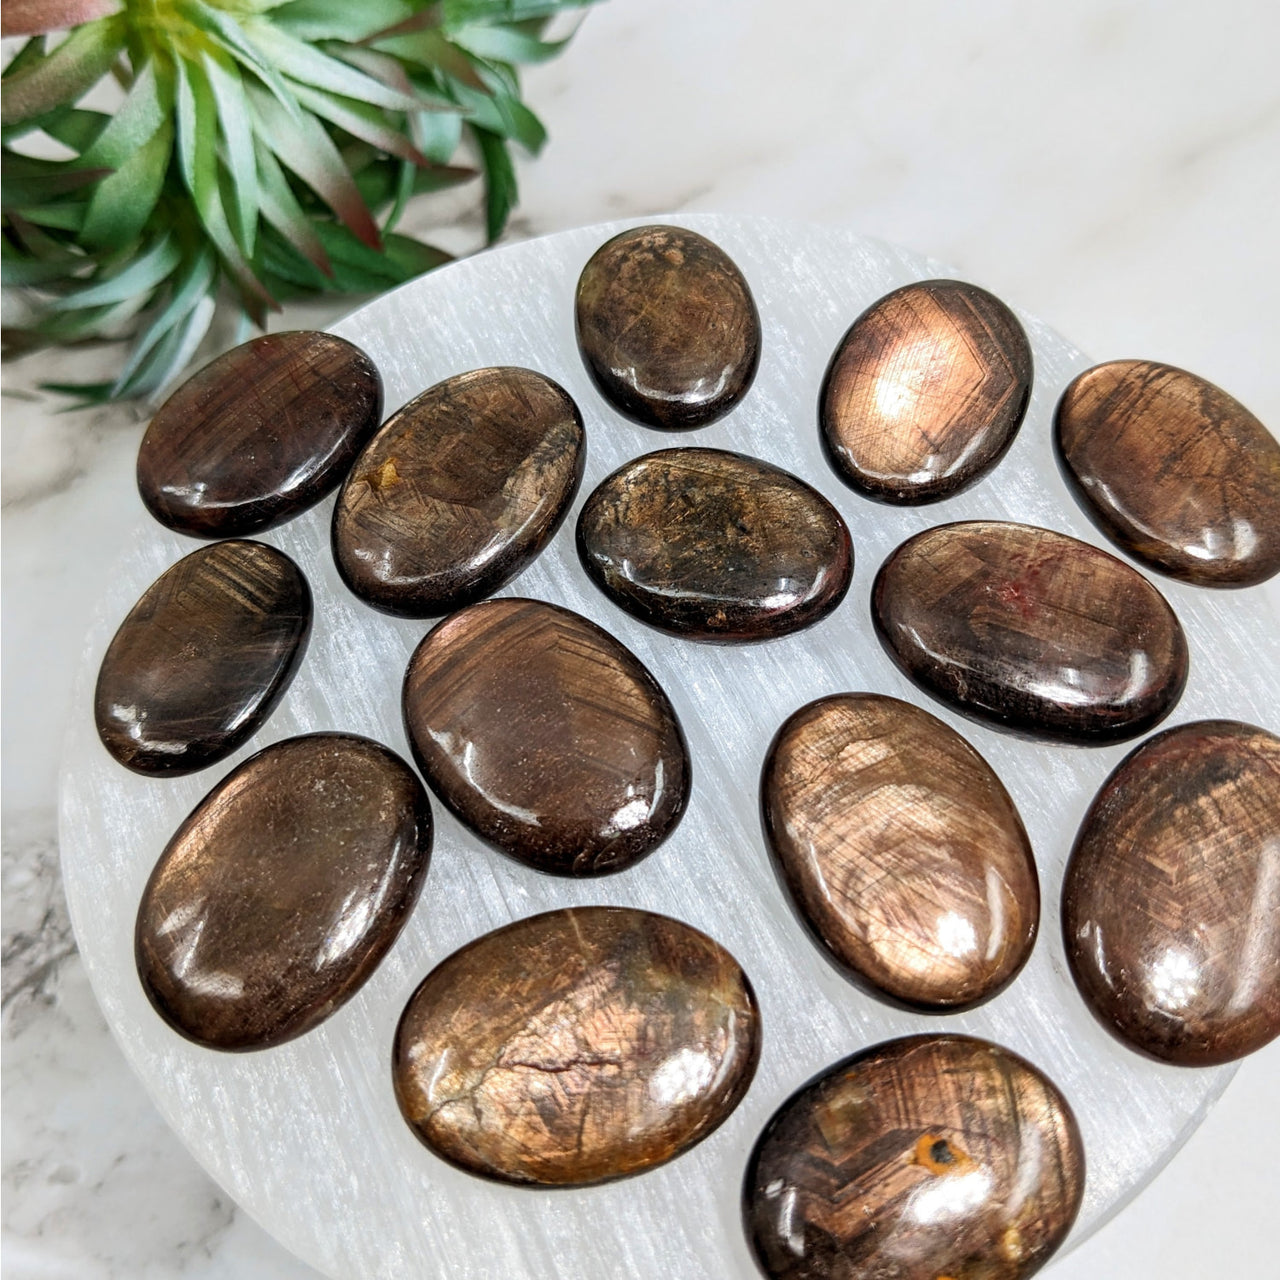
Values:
[(258, 435), (902, 851), (1170, 906), (713, 545), (278, 896), (1173, 470), (576, 1046), (667, 327), (203, 658), (925, 392)]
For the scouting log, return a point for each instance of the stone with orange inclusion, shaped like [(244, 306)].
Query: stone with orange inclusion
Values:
[(925, 392)]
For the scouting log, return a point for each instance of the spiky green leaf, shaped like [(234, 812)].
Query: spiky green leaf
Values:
[(66, 74), (123, 201), (499, 182)]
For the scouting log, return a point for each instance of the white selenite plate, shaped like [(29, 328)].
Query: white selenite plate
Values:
[(307, 1137)]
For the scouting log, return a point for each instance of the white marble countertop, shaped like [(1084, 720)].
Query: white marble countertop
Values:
[(1113, 168)]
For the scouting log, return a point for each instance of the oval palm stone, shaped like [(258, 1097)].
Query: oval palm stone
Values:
[(926, 392), (902, 851), (1171, 904), (203, 658), (1175, 471), (715, 546), (459, 491), (576, 1046), (276, 899), (259, 435), (1031, 630), (924, 1158), (546, 737), (667, 327)]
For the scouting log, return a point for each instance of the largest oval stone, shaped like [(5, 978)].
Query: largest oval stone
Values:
[(926, 392), (546, 737), (459, 491), (667, 327), (1174, 470), (203, 658), (925, 1158), (901, 849), (576, 1046), (276, 899), (1031, 630), (1171, 904), (714, 545), (259, 434)]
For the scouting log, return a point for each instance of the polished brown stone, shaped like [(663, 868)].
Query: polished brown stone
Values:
[(667, 327), (715, 546), (276, 899), (1171, 904), (576, 1046), (259, 435), (926, 392), (203, 658), (1031, 630), (902, 851), (935, 1157), (1173, 470), (546, 737), (458, 492)]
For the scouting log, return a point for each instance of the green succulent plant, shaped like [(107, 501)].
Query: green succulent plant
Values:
[(263, 150)]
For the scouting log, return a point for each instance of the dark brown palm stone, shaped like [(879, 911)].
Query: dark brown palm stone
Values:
[(1171, 904), (1031, 630), (1173, 470), (546, 737), (276, 899), (667, 327), (203, 658), (259, 435), (902, 851), (927, 1158), (576, 1046), (715, 546), (926, 392), (459, 491)]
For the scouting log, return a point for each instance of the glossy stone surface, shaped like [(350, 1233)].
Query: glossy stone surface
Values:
[(713, 545), (258, 435), (926, 1158), (1174, 470), (276, 899), (1171, 904), (902, 851), (1031, 630), (546, 737), (203, 658), (576, 1046), (925, 392), (667, 327), (459, 491)]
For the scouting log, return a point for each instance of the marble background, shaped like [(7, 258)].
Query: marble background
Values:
[(1111, 167)]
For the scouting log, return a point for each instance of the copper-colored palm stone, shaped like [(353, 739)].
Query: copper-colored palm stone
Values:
[(901, 850), (925, 392), (712, 545), (259, 435), (203, 658), (930, 1157), (546, 736), (576, 1046), (1171, 904), (459, 491), (1174, 470), (1031, 630), (280, 893), (667, 327)]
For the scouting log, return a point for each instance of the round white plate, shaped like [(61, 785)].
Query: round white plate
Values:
[(307, 1137)]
